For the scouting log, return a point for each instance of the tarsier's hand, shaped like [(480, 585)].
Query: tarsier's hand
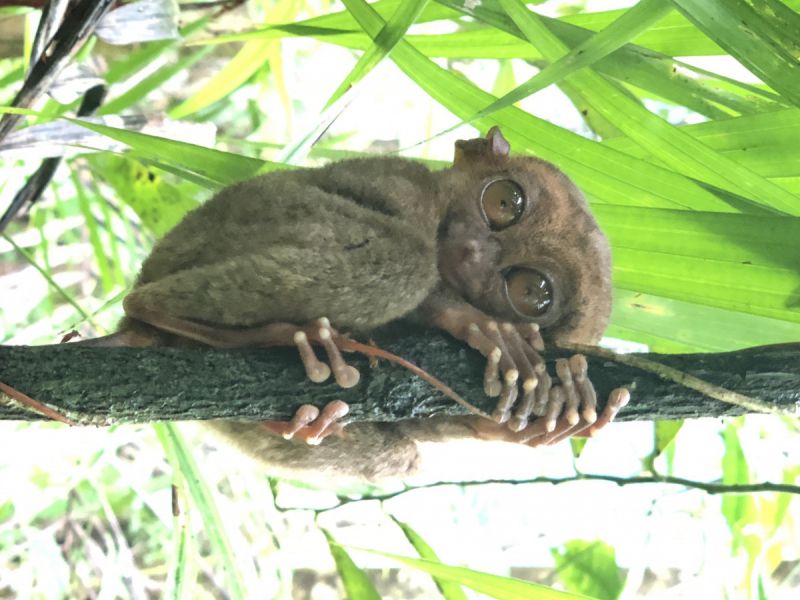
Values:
[(513, 352), (562, 410)]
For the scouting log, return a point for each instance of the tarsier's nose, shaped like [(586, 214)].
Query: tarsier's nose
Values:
[(470, 252)]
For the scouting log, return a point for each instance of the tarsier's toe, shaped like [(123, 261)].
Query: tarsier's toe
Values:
[(617, 400), (325, 424), (316, 370), (508, 395), (309, 425), (491, 378), (522, 415)]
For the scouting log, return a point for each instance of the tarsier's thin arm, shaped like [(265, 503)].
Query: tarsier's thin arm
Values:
[(499, 251)]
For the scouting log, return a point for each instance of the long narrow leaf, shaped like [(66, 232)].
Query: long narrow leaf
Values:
[(629, 25), (207, 507), (494, 586), (736, 262), (356, 584), (397, 26), (664, 141), (669, 326), (759, 42), (607, 176)]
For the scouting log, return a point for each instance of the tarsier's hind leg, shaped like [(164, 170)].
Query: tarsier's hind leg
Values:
[(272, 334), (308, 424)]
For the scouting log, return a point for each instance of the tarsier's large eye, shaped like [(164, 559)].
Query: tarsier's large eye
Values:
[(503, 203), (529, 291)]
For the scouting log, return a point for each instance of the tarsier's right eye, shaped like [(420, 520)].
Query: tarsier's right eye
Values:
[(503, 203), (529, 291)]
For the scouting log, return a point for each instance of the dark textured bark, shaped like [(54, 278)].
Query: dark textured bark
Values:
[(152, 384)]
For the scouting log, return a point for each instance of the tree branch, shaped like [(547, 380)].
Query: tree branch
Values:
[(137, 385)]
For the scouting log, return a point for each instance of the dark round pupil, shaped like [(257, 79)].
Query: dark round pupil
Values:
[(529, 292), (503, 203)]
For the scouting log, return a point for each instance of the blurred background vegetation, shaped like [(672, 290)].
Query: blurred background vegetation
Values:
[(680, 122)]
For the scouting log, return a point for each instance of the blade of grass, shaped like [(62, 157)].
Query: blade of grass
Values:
[(205, 503), (54, 285), (449, 589), (106, 278), (153, 82)]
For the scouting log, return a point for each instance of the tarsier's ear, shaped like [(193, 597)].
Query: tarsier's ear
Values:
[(494, 145), (498, 145)]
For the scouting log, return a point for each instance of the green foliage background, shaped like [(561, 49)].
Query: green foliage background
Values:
[(703, 219)]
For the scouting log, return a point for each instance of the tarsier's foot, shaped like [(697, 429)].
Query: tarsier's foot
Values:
[(565, 410), (308, 425), (322, 332), (538, 433), (534, 436)]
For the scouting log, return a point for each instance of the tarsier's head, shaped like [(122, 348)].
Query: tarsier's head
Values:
[(518, 242)]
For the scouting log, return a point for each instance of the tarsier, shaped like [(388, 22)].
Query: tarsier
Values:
[(496, 250)]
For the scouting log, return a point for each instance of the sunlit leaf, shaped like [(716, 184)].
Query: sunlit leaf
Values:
[(356, 583), (589, 568)]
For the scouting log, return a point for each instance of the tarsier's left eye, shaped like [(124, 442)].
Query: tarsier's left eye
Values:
[(529, 291), (503, 203)]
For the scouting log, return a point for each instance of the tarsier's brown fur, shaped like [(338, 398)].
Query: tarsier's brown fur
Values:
[(364, 242)]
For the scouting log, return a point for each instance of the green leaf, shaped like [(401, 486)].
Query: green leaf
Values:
[(494, 586), (763, 37), (737, 262), (674, 326), (450, 590), (357, 585), (397, 26), (222, 167), (606, 176), (296, 151), (739, 510), (767, 144), (158, 204), (181, 578), (106, 277), (631, 23), (153, 82), (238, 70), (630, 64), (589, 568), (666, 431), (664, 141), (52, 283)]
